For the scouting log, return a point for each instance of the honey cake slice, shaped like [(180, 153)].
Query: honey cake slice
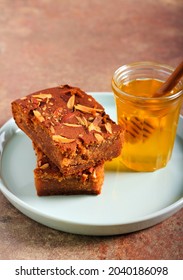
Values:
[(69, 126), (50, 181)]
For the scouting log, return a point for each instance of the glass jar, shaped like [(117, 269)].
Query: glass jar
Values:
[(150, 122)]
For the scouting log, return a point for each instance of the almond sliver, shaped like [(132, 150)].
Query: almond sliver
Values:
[(62, 139), (70, 103)]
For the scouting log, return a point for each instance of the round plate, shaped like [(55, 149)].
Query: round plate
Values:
[(129, 201)]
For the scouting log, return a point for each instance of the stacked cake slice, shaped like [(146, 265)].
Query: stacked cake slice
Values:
[(50, 181), (72, 136)]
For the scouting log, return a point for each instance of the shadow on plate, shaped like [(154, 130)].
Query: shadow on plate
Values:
[(116, 165)]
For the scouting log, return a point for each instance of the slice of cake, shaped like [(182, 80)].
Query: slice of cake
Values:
[(50, 181), (70, 127)]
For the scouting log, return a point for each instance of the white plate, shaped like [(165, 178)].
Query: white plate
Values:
[(130, 201)]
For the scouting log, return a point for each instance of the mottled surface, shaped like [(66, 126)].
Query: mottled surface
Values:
[(47, 43)]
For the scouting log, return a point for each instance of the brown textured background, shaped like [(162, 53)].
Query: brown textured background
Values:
[(45, 43)]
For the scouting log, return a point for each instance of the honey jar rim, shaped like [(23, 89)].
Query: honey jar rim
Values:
[(128, 68)]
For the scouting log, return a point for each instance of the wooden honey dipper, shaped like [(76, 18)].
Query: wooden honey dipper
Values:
[(137, 129), (171, 82)]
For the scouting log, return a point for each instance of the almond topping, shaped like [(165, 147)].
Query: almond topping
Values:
[(61, 139), (82, 121), (44, 166), (92, 126), (85, 121), (84, 177), (98, 137), (52, 129), (91, 119), (70, 103), (72, 124), (86, 109), (42, 95), (108, 127), (97, 120), (94, 174), (97, 128), (38, 115)]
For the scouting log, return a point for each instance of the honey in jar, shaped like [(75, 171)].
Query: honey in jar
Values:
[(150, 122)]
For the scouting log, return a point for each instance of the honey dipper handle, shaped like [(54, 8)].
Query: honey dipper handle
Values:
[(171, 82)]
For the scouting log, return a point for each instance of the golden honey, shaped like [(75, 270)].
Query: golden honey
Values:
[(150, 122)]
